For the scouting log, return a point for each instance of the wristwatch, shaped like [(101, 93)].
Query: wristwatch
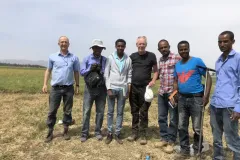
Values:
[(77, 85)]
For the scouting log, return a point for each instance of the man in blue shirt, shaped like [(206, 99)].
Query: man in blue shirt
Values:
[(191, 98), (94, 62), (64, 66), (225, 103)]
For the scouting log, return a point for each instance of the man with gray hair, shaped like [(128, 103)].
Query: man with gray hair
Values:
[(142, 64), (92, 69)]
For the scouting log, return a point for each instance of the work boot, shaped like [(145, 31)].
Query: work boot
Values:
[(143, 140), (117, 138), (132, 138), (169, 148), (49, 136), (161, 144), (109, 138), (65, 133)]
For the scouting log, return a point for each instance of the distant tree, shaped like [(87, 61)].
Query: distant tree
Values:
[(21, 65)]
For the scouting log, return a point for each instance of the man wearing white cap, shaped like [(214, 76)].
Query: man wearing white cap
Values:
[(92, 69)]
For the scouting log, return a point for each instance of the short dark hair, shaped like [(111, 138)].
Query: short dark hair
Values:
[(183, 42), (230, 33), (120, 40), (163, 40)]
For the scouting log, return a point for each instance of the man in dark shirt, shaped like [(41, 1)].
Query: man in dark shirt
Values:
[(142, 64)]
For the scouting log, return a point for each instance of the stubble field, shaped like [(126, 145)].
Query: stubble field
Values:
[(24, 111)]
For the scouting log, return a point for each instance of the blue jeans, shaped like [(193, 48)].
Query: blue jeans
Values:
[(221, 122), (118, 94), (189, 107), (100, 101), (167, 133)]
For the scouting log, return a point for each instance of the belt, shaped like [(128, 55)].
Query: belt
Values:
[(61, 86), (192, 95)]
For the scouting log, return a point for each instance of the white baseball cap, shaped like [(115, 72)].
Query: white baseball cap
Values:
[(148, 96), (98, 42)]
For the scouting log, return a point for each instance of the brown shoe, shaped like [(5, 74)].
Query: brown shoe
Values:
[(161, 144), (109, 138), (143, 140), (117, 138), (65, 133), (169, 148), (49, 136), (132, 138)]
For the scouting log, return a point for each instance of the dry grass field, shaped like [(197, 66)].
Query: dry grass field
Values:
[(22, 132)]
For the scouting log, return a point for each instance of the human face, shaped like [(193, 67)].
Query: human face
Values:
[(164, 48), (63, 43), (225, 43), (183, 50), (97, 50), (120, 47), (141, 45)]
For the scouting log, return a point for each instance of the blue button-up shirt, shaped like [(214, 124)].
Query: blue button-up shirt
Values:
[(63, 68), (120, 62), (88, 61), (227, 90)]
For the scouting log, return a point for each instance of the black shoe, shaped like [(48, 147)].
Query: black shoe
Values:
[(65, 133), (49, 136), (117, 138), (109, 138)]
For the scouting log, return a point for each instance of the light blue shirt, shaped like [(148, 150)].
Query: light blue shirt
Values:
[(120, 62), (63, 68), (227, 90), (88, 61)]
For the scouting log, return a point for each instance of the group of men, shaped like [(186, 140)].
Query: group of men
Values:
[(120, 76)]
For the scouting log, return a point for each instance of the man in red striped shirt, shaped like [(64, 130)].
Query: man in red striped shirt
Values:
[(168, 133)]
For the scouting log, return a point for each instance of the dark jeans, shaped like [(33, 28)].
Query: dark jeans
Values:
[(221, 122), (189, 107), (168, 133), (139, 109), (55, 97), (100, 101)]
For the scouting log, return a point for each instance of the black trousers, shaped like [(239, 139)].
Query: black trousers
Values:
[(55, 97), (139, 109)]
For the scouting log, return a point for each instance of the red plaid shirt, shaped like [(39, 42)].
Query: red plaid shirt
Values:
[(166, 70)]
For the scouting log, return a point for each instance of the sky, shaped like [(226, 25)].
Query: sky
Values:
[(30, 29)]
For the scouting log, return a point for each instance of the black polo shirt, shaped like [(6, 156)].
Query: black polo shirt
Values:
[(142, 67)]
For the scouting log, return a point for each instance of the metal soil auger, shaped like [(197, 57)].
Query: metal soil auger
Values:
[(203, 108)]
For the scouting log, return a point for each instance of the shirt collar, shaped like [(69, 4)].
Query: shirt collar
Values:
[(170, 56), (60, 54), (232, 53), (116, 56)]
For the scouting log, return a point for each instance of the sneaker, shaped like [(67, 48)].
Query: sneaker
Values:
[(143, 140), (65, 133), (83, 138), (117, 138), (109, 139), (161, 144), (132, 138), (49, 136), (169, 148), (99, 137)]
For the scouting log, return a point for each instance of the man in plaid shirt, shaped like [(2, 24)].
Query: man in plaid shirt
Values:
[(168, 133)]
